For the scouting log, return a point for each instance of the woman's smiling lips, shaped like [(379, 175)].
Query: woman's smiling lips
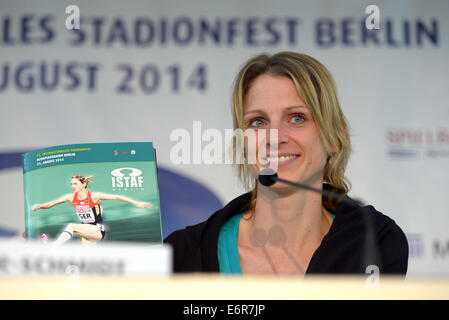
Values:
[(281, 159)]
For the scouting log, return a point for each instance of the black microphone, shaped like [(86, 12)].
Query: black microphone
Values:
[(268, 177)]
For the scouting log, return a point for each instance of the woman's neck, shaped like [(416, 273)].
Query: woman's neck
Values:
[(82, 194), (295, 218)]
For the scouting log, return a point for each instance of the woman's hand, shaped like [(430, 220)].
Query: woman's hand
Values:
[(143, 205), (36, 207)]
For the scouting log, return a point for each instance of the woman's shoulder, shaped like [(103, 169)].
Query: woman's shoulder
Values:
[(380, 222), (354, 215), (186, 236), (391, 242)]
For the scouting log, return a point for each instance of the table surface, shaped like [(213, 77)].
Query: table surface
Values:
[(218, 287)]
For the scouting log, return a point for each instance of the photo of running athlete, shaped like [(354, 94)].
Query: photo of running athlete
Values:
[(89, 210)]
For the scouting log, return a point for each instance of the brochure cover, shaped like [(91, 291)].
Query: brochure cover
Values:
[(92, 193)]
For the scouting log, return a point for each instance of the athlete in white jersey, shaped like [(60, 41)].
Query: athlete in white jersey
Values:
[(88, 208)]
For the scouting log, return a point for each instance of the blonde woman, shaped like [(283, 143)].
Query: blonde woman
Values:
[(89, 210), (281, 229)]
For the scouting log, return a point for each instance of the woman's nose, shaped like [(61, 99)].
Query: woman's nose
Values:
[(277, 134)]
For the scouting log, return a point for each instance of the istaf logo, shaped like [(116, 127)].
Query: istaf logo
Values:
[(412, 144), (127, 179)]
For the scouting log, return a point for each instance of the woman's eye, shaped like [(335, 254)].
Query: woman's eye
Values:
[(297, 118), (256, 123)]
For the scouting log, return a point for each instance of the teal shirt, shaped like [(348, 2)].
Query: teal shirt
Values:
[(227, 250)]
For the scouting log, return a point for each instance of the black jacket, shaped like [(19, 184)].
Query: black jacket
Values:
[(342, 251)]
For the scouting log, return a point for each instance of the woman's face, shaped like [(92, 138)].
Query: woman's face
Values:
[(77, 185), (272, 102)]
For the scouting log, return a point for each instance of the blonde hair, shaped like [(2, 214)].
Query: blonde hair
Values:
[(83, 179), (316, 87)]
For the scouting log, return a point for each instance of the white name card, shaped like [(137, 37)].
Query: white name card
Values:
[(107, 259)]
